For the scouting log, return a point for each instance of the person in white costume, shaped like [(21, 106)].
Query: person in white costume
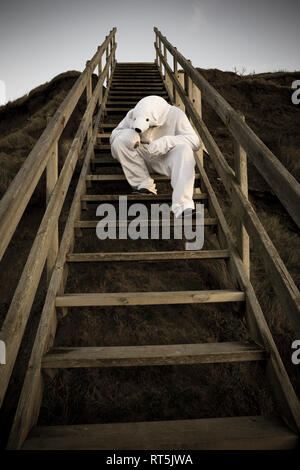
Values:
[(157, 137)]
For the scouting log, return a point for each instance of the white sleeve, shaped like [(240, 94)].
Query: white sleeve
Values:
[(184, 134), (124, 124)]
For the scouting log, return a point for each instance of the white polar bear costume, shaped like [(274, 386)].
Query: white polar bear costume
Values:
[(157, 137)]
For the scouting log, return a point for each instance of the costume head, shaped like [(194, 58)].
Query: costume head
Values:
[(150, 111)]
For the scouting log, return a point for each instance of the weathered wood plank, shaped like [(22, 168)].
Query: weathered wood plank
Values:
[(148, 256), (149, 298), (138, 197), (136, 93), (122, 177), (104, 135), (208, 221), (172, 354), (110, 109), (238, 433), (51, 179), (241, 173)]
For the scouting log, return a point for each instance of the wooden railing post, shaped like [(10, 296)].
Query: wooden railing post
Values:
[(156, 51), (188, 86), (51, 178), (89, 90), (175, 72), (197, 102), (160, 61), (106, 59), (179, 102), (165, 59), (168, 80), (241, 173), (114, 51), (99, 74)]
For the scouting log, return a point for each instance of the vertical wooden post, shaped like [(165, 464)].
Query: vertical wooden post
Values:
[(168, 81), (88, 97), (99, 75), (175, 71), (241, 173), (179, 102), (51, 179), (114, 53), (160, 63), (156, 44), (165, 59), (188, 87), (197, 102)]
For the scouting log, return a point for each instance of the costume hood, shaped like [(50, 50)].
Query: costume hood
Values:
[(150, 111)]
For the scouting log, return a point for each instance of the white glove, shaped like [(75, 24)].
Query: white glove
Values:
[(142, 150), (161, 146)]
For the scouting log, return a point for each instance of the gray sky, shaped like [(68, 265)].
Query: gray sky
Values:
[(40, 39)]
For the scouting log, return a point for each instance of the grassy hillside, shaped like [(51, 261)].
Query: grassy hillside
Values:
[(161, 392), (265, 100), (23, 121)]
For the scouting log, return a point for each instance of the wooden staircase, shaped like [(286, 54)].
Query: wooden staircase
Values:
[(127, 85)]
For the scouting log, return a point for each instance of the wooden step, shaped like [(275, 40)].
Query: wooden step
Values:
[(137, 74), (150, 90), (136, 80), (123, 178), (119, 102), (135, 93), (131, 104), (122, 99), (157, 256), (102, 146), (208, 222), (103, 135), (132, 68), (157, 355), (138, 64), (113, 110), (143, 67), (237, 433), (137, 197), (148, 298), (105, 161)]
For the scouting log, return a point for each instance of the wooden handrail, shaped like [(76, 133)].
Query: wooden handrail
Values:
[(17, 316), (15, 199), (284, 185), (30, 399), (289, 295)]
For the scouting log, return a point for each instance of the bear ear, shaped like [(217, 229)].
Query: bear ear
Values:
[(130, 114)]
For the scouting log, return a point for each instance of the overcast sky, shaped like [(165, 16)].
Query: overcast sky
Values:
[(40, 39)]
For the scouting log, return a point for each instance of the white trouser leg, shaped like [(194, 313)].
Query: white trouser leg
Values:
[(179, 164), (133, 164)]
